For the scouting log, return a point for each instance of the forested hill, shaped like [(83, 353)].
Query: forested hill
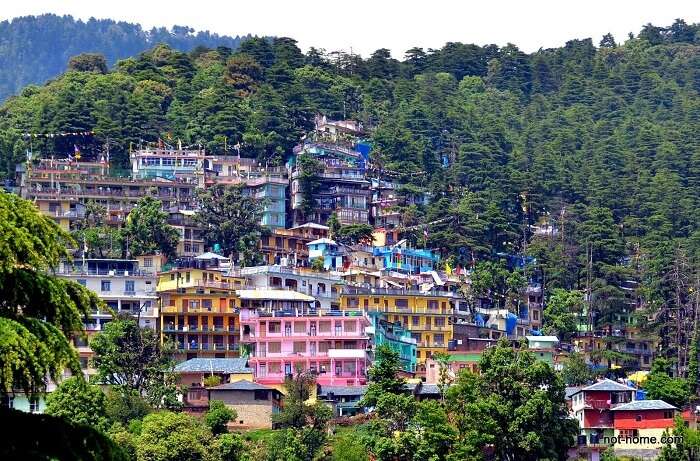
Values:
[(601, 139), (34, 49)]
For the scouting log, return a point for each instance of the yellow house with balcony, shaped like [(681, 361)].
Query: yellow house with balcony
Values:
[(428, 316), (199, 312)]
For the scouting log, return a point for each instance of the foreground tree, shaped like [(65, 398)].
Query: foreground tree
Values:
[(147, 230), (305, 425), (218, 417), (383, 376), (78, 402), (167, 436), (231, 219), (38, 312), (132, 358), (516, 406)]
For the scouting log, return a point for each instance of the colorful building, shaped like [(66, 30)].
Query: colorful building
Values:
[(288, 247), (168, 163), (427, 315), (123, 286), (282, 331), (399, 258), (199, 310), (396, 336)]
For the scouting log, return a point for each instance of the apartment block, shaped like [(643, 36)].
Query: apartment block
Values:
[(283, 332)]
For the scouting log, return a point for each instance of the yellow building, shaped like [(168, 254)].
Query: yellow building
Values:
[(199, 312), (428, 316)]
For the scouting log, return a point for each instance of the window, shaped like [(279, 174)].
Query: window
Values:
[(638, 418), (261, 395), (83, 282), (106, 285), (148, 262), (440, 322), (299, 347), (274, 348), (7, 402), (668, 414), (129, 286), (439, 339), (415, 320), (274, 327), (432, 304), (535, 315), (401, 303)]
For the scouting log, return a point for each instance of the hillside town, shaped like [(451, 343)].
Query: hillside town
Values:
[(336, 274)]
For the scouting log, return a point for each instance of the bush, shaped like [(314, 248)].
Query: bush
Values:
[(218, 416)]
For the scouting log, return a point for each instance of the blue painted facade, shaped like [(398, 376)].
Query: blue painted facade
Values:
[(406, 260), (397, 337)]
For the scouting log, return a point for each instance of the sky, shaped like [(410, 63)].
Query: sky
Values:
[(362, 26)]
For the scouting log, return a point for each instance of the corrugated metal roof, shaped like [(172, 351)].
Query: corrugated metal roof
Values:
[(204, 365), (342, 390), (645, 405), (608, 385), (242, 385)]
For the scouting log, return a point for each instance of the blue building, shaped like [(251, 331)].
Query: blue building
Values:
[(332, 253), (397, 337), (406, 260)]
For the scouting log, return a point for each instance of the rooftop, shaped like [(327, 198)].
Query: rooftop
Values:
[(242, 385), (324, 391), (645, 405), (544, 339), (205, 365), (607, 385), (275, 295)]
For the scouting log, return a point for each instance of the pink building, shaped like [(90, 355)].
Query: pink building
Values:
[(282, 331)]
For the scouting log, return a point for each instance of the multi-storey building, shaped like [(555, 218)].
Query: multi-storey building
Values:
[(427, 315), (283, 332), (199, 310), (400, 258), (343, 189), (61, 188), (395, 336), (123, 286), (191, 241), (264, 183), (288, 247), (325, 287), (168, 163)]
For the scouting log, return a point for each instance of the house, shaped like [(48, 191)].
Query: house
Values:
[(592, 407), (199, 308), (288, 247), (456, 363), (323, 286), (343, 400), (543, 347), (191, 373), (643, 420), (333, 254), (283, 330), (124, 288), (254, 403), (396, 336)]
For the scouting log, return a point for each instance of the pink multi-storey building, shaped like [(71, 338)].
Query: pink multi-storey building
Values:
[(282, 331)]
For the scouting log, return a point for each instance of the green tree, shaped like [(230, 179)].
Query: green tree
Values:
[(231, 218), (516, 405), (133, 359), (659, 385), (88, 62), (686, 447), (169, 436), (354, 234), (218, 416), (562, 313), (147, 230), (309, 172), (384, 377), (576, 371), (78, 402), (38, 312)]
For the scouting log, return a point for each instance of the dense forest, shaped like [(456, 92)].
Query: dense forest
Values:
[(34, 49), (597, 140)]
